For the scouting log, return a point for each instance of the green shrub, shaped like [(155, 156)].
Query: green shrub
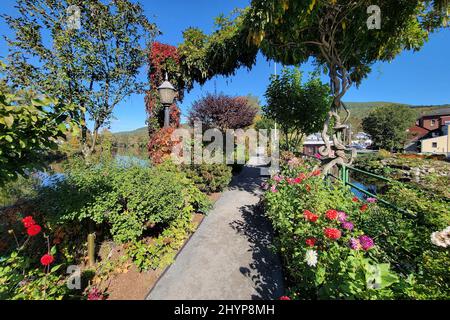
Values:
[(209, 177), (126, 200)]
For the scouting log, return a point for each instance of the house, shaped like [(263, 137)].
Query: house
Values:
[(430, 126), (313, 143), (437, 144)]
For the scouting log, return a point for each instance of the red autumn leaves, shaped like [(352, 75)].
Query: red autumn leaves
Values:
[(33, 229)]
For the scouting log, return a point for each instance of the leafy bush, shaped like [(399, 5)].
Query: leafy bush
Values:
[(159, 252), (223, 112), (127, 200), (29, 127), (209, 177)]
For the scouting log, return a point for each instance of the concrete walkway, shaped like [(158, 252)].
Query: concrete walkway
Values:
[(229, 256)]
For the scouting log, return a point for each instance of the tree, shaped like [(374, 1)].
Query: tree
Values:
[(333, 33), (388, 126), (299, 109), (94, 67), (223, 112), (30, 126)]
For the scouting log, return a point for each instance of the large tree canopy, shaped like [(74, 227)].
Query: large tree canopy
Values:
[(292, 31), (388, 126), (93, 65)]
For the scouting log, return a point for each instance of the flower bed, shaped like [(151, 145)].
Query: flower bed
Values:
[(336, 246)]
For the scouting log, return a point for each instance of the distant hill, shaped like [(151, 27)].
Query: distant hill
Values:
[(359, 110), (138, 131)]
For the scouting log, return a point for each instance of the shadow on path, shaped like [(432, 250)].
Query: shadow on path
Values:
[(265, 271)]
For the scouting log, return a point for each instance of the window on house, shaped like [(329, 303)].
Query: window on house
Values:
[(434, 144), (433, 122)]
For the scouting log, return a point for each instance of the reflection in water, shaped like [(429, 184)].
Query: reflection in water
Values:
[(370, 188)]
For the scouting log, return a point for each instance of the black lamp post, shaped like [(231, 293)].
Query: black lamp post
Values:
[(167, 94)]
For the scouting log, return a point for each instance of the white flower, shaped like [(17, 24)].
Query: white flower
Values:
[(441, 238), (311, 258)]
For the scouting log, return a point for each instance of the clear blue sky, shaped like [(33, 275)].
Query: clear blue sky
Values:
[(421, 78)]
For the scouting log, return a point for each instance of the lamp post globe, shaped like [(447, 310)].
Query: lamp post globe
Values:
[(167, 94)]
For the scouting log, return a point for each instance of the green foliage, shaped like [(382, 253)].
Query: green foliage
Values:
[(30, 126), (32, 283), (107, 193), (388, 126), (405, 262), (340, 273), (209, 178), (93, 67), (299, 109), (22, 188), (405, 242), (160, 252)]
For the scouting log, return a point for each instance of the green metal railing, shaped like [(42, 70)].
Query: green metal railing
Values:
[(344, 176)]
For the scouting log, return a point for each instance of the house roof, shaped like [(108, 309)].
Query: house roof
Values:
[(438, 112), (417, 132)]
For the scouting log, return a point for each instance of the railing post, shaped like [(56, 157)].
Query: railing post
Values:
[(343, 174)]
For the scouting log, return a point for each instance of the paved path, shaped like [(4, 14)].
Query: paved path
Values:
[(229, 256)]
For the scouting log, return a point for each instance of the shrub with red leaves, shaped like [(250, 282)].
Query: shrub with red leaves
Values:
[(223, 112)]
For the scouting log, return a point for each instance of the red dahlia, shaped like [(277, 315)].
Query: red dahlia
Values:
[(33, 230), (355, 199), (47, 259), (310, 216), (331, 214), (332, 233), (364, 207), (311, 242), (28, 221)]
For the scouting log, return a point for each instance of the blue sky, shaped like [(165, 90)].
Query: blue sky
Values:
[(421, 78)]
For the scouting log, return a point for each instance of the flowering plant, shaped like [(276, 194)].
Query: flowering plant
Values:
[(327, 255), (25, 277)]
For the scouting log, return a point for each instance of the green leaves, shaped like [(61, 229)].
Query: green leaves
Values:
[(379, 276), (299, 108), (29, 126), (106, 193), (388, 126)]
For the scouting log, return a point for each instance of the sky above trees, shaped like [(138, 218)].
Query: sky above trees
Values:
[(419, 78)]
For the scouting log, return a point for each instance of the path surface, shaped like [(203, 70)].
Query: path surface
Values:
[(229, 256)]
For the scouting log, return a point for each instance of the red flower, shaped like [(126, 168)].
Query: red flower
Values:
[(311, 242), (285, 298), (332, 233), (316, 172), (33, 230), (28, 221), (364, 207), (47, 259), (310, 216), (355, 199), (331, 214)]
